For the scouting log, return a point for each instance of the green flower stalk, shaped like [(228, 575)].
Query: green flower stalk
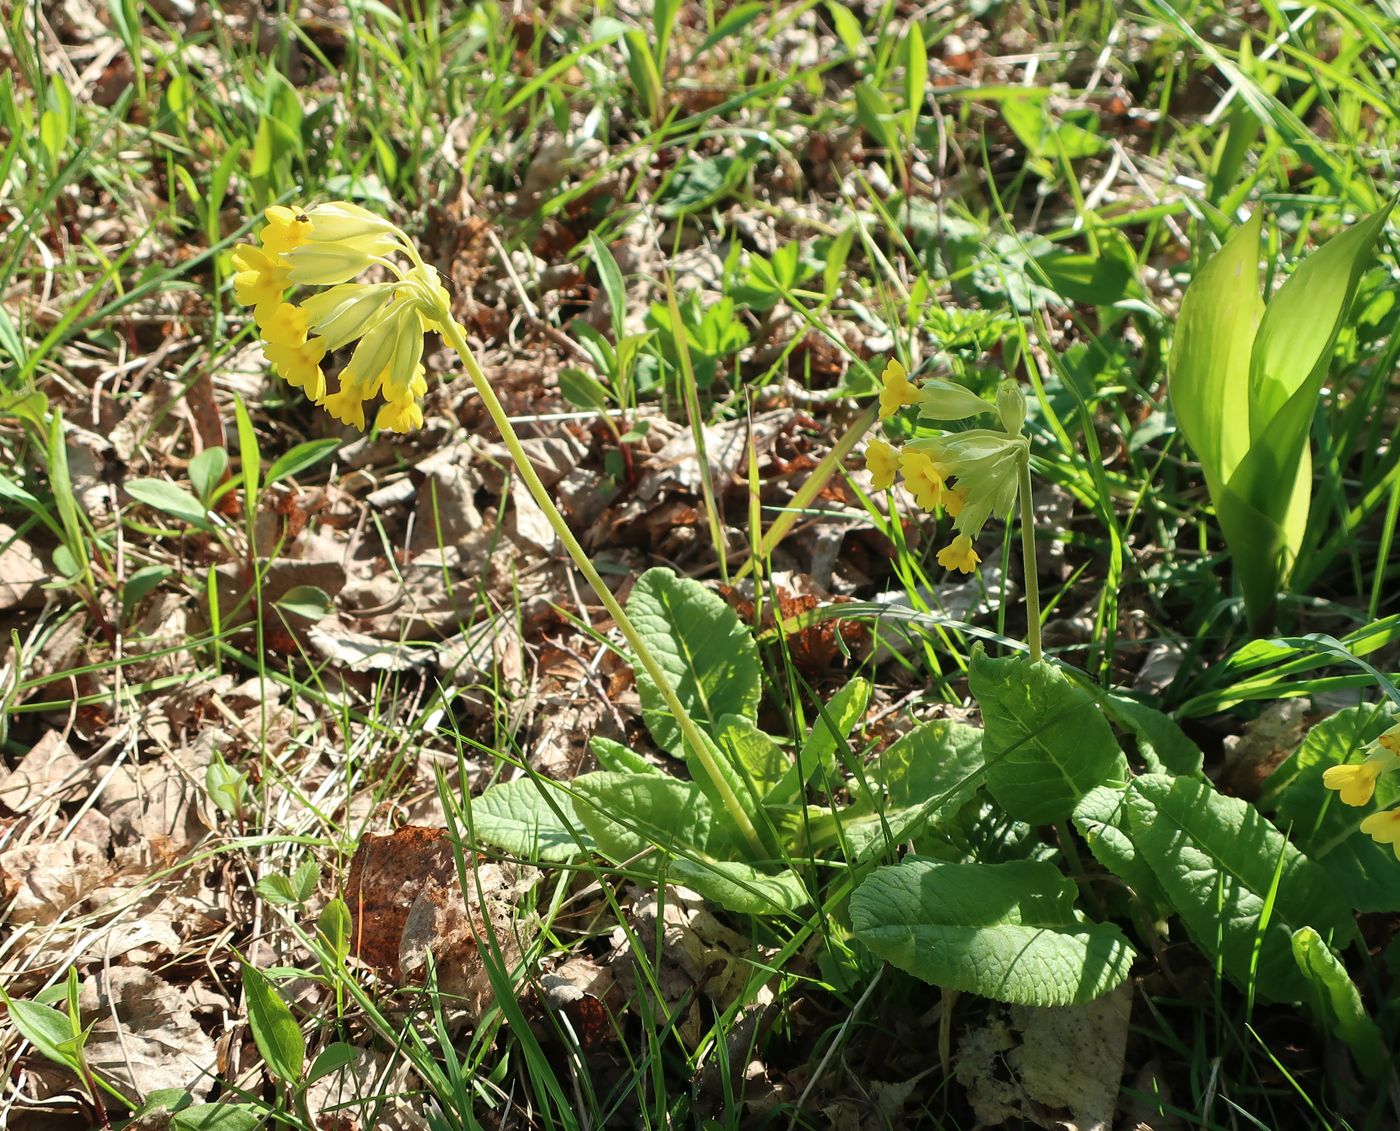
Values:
[(331, 245)]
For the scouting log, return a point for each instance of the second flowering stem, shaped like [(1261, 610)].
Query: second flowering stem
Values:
[(694, 739)]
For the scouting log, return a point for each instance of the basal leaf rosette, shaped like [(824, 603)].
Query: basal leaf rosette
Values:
[(330, 247)]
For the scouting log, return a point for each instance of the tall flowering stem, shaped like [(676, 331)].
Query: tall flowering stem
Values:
[(331, 246), (454, 336), (1029, 563)]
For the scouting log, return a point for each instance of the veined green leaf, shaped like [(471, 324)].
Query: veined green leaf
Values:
[(739, 886), (1005, 931), (517, 817), (1046, 742), (628, 814), (1216, 858), (275, 1030), (706, 651)]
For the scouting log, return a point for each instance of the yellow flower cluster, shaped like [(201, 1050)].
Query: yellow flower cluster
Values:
[(1356, 785), (972, 475), (330, 246)]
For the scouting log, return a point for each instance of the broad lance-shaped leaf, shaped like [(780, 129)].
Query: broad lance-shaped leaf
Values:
[(703, 647), (275, 1030), (1335, 997), (1208, 372), (1005, 931), (1216, 857), (1045, 741), (1102, 820)]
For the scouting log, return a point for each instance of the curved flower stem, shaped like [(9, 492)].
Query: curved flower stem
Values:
[(457, 339), (1028, 561)]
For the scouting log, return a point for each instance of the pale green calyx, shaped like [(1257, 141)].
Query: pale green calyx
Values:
[(941, 399)]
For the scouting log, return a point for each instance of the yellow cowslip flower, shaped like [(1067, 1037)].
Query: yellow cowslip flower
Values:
[(1384, 828), (300, 365), (897, 390), (285, 326), (954, 499), (924, 478), (959, 555), (329, 246), (405, 413), (286, 229), (1355, 783), (260, 279), (882, 460), (986, 464)]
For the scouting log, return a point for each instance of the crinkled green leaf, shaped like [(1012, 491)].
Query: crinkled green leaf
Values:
[(516, 816), (703, 647), (1005, 931), (1216, 857), (757, 753), (740, 887), (1161, 742), (628, 814), (622, 759), (1102, 820), (1046, 742), (217, 1117)]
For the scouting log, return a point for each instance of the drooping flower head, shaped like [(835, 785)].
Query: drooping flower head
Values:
[(972, 475), (330, 246)]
